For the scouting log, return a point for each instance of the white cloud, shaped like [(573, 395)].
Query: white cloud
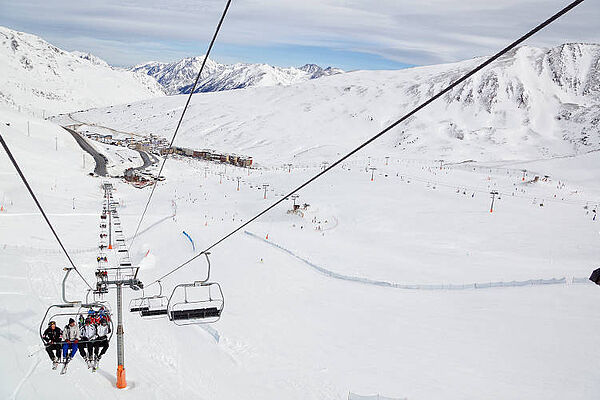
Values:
[(408, 31)]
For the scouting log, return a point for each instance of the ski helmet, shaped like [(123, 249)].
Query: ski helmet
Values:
[(52, 322), (71, 321)]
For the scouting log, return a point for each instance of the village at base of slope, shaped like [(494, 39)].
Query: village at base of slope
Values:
[(159, 145)]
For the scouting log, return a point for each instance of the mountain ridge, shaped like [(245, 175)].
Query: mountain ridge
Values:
[(531, 103), (41, 77), (177, 77)]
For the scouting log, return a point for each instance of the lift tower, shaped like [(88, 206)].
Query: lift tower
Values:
[(123, 274)]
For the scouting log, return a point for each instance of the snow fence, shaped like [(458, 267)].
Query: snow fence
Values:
[(426, 286), (354, 396)]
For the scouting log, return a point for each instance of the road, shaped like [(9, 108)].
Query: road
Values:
[(146, 160), (100, 160)]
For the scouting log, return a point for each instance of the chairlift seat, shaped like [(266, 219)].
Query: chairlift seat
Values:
[(197, 313), (138, 309), (153, 313)]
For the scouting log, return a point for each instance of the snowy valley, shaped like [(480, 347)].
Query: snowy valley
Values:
[(393, 275)]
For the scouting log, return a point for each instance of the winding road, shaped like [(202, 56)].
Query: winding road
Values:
[(99, 158)]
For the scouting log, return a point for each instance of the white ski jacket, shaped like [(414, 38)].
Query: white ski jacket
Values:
[(88, 331), (102, 331), (71, 333)]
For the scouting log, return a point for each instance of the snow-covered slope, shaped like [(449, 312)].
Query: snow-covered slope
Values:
[(40, 77), (289, 331), (306, 314), (178, 77), (532, 103)]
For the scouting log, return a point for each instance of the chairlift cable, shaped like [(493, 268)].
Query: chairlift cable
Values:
[(179, 124), (481, 66), (16, 165), (385, 130)]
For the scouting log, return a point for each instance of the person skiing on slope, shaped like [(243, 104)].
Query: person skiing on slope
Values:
[(52, 340), (71, 339), (88, 335), (102, 332)]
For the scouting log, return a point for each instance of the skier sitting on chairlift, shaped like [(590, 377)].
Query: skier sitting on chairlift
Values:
[(102, 314), (70, 338), (88, 335), (52, 340), (102, 332)]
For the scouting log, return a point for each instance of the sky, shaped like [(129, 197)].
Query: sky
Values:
[(350, 34)]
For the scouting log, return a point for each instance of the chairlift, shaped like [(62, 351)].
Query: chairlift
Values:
[(75, 309), (150, 307), (200, 302)]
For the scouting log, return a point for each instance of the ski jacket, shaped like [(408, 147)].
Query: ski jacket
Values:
[(102, 331), (88, 331), (71, 333), (52, 335)]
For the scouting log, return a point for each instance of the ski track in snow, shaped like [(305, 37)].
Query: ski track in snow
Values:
[(24, 379), (428, 286), (82, 250)]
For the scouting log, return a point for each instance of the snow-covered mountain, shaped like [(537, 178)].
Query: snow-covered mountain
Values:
[(533, 102), (178, 77), (351, 295), (38, 77)]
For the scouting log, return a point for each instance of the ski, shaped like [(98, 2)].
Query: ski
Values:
[(95, 366), (64, 368), (54, 364)]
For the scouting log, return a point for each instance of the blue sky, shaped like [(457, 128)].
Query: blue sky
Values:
[(351, 34)]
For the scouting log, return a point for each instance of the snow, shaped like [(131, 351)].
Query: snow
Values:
[(178, 77), (287, 330), (525, 106), (42, 79)]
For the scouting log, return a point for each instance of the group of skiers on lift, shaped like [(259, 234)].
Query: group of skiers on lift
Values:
[(90, 333)]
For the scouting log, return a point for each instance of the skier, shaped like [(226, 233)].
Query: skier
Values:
[(88, 335), (92, 316), (52, 339), (102, 332), (102, 314), (71, 339)]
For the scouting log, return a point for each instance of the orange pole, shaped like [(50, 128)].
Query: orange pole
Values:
[(121, 381)]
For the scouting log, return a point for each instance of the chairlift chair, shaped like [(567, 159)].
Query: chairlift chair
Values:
[(74, 309), (150, 307), (61, 313), (200, 302)]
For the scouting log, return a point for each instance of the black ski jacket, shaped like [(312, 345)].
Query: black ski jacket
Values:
[(52, 336)]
